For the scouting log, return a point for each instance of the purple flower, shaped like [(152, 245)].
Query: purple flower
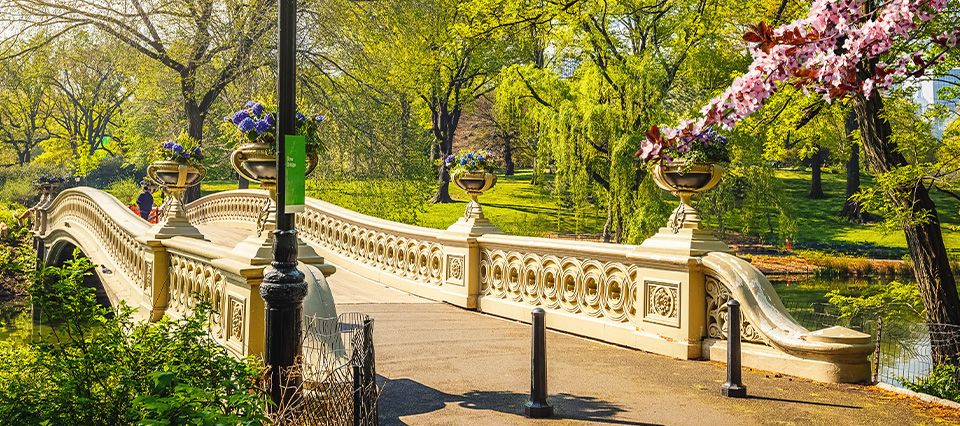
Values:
[(246, 125), (186, 155), (300, 117), (271, 119), (227, 119), (262, 126), (177, 148), (257, 109), (239, 116), (249, 104), (450, 159), (197, 153), (319, 118), (167, 145)]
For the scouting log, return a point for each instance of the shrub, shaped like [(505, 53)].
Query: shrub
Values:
[(943, 381), (18, 191), (95, 368), (126, 190)]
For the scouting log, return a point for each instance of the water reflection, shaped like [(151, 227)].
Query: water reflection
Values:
[(17, 321), (905, 339)]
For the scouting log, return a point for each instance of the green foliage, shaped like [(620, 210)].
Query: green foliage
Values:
[(17, 257), (893, 301), (19, 191), (99, 367), (943, 381), (126, 190)]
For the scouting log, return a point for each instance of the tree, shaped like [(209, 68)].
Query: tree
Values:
[(613, 69), (88, 94), (208, 44), (25, 105), (853, 49)]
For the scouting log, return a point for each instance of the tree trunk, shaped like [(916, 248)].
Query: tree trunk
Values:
[(443, 190), (852, 209), (508, 156), (931, 266), (443, 172), (816, 180), (23, 157), (195, 119), (242, 183)]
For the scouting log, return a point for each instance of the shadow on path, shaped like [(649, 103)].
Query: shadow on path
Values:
[(794, 401), (405, 397)]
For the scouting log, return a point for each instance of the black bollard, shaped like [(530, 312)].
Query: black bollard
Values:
[(537, 407), (734, 387)]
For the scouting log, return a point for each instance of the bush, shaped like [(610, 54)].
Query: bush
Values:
[(17, 258), (19, 191), (943, 381), (110, 170), (95, 368), (126, 190)]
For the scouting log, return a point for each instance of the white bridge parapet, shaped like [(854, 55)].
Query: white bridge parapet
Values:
[(664, 298), (658, 299)]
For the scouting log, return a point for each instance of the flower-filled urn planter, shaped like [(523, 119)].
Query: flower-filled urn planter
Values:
[(684, 162), (177, 166), (472, 171), (474, 184), (255, 159)]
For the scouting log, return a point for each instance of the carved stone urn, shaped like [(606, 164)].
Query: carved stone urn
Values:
[(683, 234), (473, 222), (257, 162), (475, 184), (175, 178), (684, 181)]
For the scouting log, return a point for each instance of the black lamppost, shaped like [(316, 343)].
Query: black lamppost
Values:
[(283, 288)]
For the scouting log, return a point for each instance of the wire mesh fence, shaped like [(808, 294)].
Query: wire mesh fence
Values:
[(910, 353), (334, 381)]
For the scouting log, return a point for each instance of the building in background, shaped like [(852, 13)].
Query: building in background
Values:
[(931, 92)]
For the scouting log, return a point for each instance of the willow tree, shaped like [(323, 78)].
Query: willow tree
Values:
[(614, 68)]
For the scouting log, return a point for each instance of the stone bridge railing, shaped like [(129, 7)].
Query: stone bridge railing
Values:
[(159, 276), (654, 297)]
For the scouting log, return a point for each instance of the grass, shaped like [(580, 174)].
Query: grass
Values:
[(817, 220), (522, 209)]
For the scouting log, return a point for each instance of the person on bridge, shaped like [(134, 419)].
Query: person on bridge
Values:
[(145, 202)]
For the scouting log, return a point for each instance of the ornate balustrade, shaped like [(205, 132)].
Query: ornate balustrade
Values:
[(667, 296), (83, 217), (160, 276), (242, 207), (201, 271)]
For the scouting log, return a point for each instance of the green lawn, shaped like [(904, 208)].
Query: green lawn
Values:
[(516, 206), (522, 209), (817, 220)]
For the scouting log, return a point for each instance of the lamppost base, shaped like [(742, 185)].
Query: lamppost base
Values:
[(733, 391), (536, 410)]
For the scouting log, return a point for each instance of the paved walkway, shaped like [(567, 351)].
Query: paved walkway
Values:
[(441, 365)]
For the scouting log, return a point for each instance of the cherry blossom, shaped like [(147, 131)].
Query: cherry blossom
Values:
[(820, 53)]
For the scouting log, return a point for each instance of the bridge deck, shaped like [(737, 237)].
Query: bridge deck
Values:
[(440, 364)]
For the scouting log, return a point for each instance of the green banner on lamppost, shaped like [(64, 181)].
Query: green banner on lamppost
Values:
[(296, 168)]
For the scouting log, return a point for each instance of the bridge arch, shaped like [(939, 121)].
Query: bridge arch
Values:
[(61, 251)]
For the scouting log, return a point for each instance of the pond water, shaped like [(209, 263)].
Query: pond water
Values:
[(16, 322)]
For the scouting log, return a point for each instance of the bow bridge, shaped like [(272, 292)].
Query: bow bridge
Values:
[(667, 296)]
